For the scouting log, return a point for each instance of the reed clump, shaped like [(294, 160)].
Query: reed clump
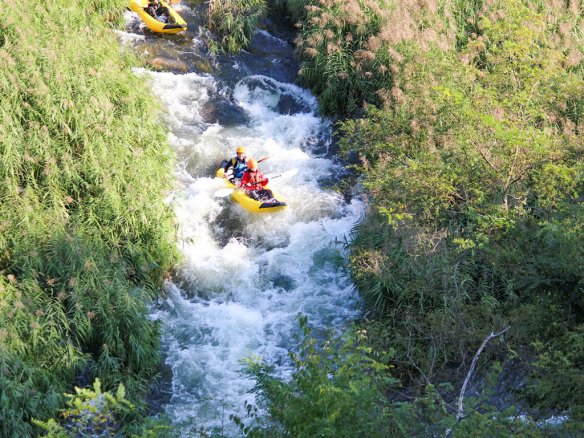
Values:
[(349, 47), (234, 22), (85, 235)]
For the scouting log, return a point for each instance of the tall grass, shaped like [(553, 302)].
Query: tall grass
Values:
[(234, 22), (85, 235), (350, 49)]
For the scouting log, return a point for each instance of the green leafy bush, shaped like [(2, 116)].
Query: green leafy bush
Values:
[(341, 387), (336, 390), (90, 413), (93, 412)]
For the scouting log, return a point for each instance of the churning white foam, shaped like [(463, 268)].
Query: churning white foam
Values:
[(128, 38), (245, 278)]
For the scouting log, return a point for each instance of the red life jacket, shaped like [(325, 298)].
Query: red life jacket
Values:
[(253, 177)]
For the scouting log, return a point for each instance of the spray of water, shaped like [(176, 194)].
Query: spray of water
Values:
[(245, 278)]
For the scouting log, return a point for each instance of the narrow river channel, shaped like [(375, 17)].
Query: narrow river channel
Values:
[(244, 278)]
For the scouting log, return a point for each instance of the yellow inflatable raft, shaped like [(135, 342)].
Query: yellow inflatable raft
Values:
[(252, 205), (175, 24)]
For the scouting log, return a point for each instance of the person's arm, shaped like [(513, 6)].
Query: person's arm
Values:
[(263, 180), (228, 165)]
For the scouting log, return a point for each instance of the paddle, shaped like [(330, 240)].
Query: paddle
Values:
[(226, 192)]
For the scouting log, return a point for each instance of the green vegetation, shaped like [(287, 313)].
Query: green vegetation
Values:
[(476, 178), (349, 49), (234, 22), (336, 388), (340, 388), (92, 412), (468, 118), (85, 236)]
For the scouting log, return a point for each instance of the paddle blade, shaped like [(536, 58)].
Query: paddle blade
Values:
[(223, 193)]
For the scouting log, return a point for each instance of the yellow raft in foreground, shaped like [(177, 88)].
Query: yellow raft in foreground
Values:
[(176, 23), (253, 206)]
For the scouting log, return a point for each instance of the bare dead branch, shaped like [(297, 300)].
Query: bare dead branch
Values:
[(460, 412)]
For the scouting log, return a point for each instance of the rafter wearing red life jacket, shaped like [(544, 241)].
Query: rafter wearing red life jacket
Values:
[(252, 178)]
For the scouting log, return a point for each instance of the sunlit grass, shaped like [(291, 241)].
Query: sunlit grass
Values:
[(85, 236)]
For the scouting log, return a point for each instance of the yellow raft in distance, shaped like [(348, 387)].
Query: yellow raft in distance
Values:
[(250, 204), (176, 25)]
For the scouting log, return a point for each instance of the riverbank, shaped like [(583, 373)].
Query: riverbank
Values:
[(85, 233)]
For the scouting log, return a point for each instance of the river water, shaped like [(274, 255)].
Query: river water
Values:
[(244, 278)]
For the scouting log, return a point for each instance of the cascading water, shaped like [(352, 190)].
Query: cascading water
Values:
[(245, 278)]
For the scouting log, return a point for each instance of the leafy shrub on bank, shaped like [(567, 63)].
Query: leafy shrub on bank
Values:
[(475, 172), (90, 413), (340, 387), (85, 235), (93, 412)]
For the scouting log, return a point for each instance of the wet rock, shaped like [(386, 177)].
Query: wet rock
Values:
[(353, 157), (204, 66), (288, 105), (268, 24), (220, 110), (166, 64), (281, 26)]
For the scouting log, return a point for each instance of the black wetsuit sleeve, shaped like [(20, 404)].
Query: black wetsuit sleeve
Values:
[(228, 165)]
